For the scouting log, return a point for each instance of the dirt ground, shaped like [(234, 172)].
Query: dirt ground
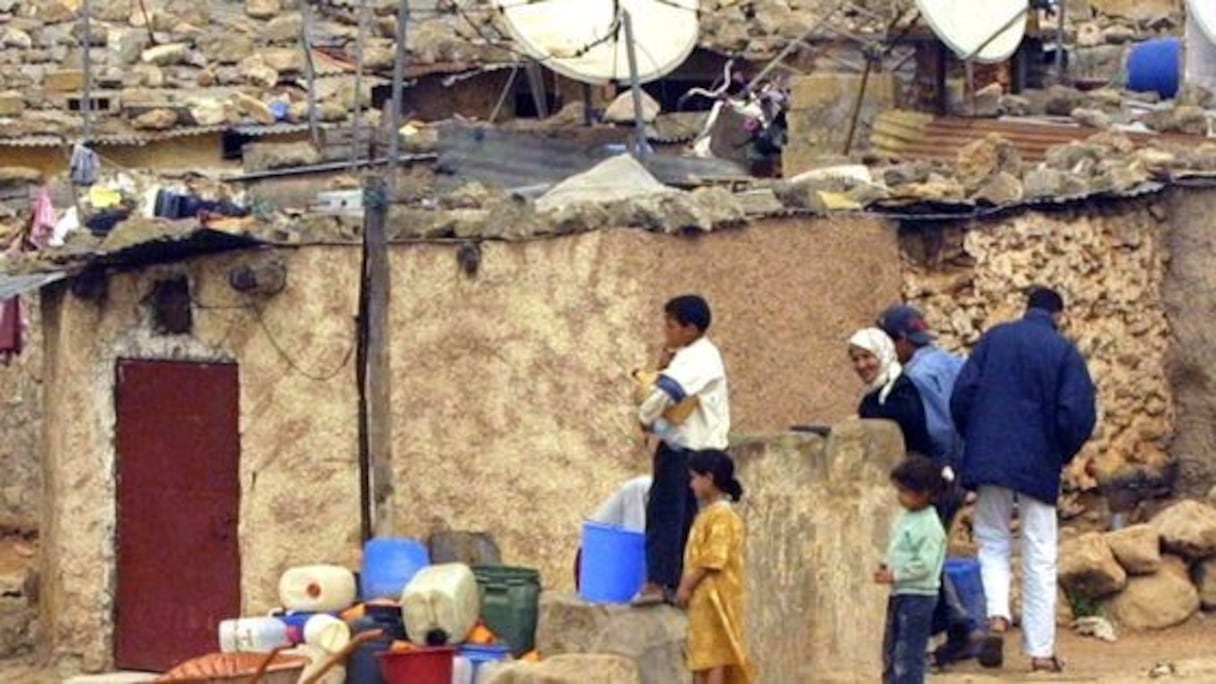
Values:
[(1129, 659)]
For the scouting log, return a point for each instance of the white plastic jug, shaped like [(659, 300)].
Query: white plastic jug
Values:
[(462, 670), (253, 635), (487, 671), (316, 660), (327, 633), (317, 589), (441, 597)]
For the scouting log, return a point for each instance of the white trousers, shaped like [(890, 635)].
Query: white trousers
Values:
[(993, 517)]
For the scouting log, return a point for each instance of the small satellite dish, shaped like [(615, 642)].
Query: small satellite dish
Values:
[(987, 31), (1203, 12), (584, 40)]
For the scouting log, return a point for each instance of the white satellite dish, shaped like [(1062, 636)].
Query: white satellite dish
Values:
[(583, 39), (1203, 12), (987, 31)]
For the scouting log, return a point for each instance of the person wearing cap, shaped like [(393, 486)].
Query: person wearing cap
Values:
[(933, 370), (1024, 404)]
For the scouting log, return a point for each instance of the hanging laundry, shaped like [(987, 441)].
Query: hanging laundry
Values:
[(10, 329), (101, 197), (42, 225), (84, 165)]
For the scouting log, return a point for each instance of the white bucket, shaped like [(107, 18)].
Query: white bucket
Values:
[(252, 635)]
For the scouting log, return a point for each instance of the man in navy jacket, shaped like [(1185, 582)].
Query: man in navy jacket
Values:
[(1024, 405)]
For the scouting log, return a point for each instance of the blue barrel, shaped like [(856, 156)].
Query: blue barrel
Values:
[(1155, 66), (614, 563), (964, 573), (388, 565)]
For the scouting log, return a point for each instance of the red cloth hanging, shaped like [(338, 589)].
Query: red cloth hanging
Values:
[(10, 329)]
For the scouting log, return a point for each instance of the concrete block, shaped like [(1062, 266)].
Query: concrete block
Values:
[(64, 80)]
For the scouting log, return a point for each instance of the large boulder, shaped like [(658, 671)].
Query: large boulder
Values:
[(1157, 601), (1137, 548), (653, 638), (1188, 528), (984, 158), (1204, 576), (1088, 568), (570, 669)]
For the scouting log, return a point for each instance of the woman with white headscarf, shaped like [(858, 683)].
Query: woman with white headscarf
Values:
[(889, 394)]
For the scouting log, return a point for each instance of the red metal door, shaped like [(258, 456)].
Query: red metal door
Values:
[(179, 564)]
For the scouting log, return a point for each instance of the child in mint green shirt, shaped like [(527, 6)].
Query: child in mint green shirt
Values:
[(913, 568)]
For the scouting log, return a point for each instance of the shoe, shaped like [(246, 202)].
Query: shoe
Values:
[(1051, 664), (992, 650)]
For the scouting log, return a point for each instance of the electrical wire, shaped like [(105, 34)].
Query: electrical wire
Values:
[(274, 342)]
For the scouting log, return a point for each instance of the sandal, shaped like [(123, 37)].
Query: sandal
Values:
[(1052, 665)]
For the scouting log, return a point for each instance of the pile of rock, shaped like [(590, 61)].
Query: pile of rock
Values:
[(199, 63), (1149, 576)]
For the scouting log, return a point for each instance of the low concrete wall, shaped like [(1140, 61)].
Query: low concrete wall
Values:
[(818, 513)]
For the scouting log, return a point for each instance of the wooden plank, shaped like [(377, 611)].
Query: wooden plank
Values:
[(375, 395)]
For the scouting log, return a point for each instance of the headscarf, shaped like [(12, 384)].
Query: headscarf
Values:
[(880, 345)]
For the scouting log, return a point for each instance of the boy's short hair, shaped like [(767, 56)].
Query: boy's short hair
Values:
[(1045, 299), (690, 310), (919, 474)]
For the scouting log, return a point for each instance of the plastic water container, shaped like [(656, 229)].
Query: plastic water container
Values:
[(253, 635), (510, 603), (1155, 66), (388, 566), (481, 657), (487, 671), (327, 633), (421, 666), (317, 589), (441, 604), (462, 670), (613, 564), (964, 573)]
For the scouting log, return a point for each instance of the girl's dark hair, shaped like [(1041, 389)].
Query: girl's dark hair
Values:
[(1044, 298), (919, 474), (720, 468)]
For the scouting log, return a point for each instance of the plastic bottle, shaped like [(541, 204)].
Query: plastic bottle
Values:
[(462, 670), (253, 635), (317, 589), (327, 633)]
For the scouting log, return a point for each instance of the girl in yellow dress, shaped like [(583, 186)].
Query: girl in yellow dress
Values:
[(712, 586)]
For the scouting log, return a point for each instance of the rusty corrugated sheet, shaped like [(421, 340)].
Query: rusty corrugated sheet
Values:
[(913, 135)]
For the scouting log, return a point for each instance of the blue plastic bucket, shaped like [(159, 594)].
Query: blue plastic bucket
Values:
[(1155, 66), (614, 563), (479, 654), (388, 565), (964, 573)]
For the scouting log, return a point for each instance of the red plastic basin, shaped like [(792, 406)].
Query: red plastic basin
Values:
[(420, 666)]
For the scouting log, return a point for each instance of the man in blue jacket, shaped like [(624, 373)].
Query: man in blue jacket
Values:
[(1024, 405)]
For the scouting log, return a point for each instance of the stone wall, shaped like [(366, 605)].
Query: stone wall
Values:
[(1109, 261), (511, 392)]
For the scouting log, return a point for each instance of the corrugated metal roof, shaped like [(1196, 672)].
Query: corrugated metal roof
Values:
[(134, 139), (12, 285), (912, 135)]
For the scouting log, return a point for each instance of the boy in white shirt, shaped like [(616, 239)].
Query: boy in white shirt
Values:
[(688, 409)]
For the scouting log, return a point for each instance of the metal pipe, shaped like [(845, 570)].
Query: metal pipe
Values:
[(86, 20), (635, 87), (394, 140)]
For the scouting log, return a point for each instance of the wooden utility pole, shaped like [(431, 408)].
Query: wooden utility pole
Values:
[(375, 396)]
